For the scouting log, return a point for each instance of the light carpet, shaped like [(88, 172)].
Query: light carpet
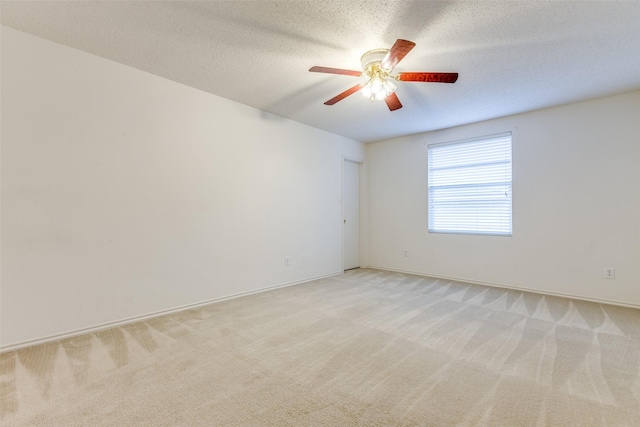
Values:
[(365, 348)]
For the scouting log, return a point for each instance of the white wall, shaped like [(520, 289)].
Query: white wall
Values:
[(125, 194), (576, 204)]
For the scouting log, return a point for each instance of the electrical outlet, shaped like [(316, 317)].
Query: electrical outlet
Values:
[(609, 273), (406, 252), (286, 261)]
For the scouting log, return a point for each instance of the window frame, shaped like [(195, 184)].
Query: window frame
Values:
[(506, 184)]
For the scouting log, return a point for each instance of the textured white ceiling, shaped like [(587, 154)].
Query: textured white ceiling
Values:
[(512, 57)]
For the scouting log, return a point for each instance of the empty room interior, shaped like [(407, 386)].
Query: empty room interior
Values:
[(205, 222)]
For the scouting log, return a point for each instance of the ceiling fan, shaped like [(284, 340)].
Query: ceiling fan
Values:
[(377, 65)]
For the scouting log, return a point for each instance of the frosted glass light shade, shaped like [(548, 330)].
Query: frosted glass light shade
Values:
[(377, 89)]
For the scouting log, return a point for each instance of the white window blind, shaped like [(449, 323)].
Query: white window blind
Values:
[(470, 186)]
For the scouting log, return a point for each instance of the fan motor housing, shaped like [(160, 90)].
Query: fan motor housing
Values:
[(373, 58)]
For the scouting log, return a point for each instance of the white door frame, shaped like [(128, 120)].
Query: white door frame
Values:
[(362, 190)]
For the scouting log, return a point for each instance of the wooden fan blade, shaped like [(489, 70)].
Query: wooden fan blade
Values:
[(428, 77), (398, 51), (393, 102), (343, 95), (335, 71)]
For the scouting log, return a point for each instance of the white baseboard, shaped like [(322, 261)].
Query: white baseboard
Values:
[(133, 319), (109, 325), (518, 288)]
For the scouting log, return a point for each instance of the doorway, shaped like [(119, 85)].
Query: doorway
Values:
[(351, 214)]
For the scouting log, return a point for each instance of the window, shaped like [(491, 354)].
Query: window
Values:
[(470, 186)]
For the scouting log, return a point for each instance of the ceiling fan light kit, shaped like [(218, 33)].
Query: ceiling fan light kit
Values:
[(378, 87), (377, 65)]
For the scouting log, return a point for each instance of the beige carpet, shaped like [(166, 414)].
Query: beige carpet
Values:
[(367, 348)]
